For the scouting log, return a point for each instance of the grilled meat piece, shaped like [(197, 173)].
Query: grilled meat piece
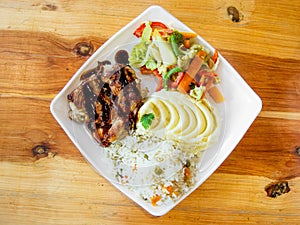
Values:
[(107, 101)]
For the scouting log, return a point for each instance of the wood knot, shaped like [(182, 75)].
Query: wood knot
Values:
[(277, 188), (297, 150), (49, 7), (40, 151), (83, 49), (234, 14)]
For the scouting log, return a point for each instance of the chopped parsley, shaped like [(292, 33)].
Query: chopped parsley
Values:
[(146, 156), (146, 120)]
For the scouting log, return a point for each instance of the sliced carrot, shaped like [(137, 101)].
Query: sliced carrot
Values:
[(188, 35), (215, 56), (184, 85), (155, 199), (215, 93), (187, 43), (169, 189), (187, 173), (202, 54), (189, 75), (195, 66)]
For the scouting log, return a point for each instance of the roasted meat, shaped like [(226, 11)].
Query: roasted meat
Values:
[(107, 100)]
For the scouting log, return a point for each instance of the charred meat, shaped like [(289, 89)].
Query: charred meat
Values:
[(106, 100)]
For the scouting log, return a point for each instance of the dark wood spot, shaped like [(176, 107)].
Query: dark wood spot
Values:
[(277, 188), (49, 7), (234, 14), (297, 150), (40, 151), (83, 49)]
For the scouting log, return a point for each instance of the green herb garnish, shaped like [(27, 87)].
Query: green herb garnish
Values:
[(146, 120), (146, 156)]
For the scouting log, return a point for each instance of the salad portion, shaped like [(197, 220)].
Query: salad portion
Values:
[(176, 59)]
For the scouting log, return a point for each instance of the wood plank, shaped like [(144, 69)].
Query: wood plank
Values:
[(39, 53), (30, 124), (268, 149), (77, 195), (39, 64), (247, 158), (275, 80), (261, 21), (48, 67)]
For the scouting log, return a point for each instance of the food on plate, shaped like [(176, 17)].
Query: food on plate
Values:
[(176, 116), (175, 58), (153, 139), (106, 100), (109, 97), (216, 94)]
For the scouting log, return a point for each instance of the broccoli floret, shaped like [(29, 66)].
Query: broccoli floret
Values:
[(176, 39)]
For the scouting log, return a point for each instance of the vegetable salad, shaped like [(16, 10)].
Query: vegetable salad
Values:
[(176, 59)]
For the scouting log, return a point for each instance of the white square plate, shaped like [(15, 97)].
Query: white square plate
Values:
[(236, 121)]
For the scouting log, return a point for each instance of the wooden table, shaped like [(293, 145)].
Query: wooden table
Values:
[(43, 43)]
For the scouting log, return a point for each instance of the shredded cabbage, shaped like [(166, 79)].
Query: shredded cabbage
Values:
[(183, 60), (197, 92), (138, 54), (165, 49)]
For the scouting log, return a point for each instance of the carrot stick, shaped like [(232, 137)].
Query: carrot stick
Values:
[(215, 93), (184, 85), (188, 35), (187, 43)]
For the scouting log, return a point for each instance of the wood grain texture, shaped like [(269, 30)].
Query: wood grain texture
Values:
[(39, 54)]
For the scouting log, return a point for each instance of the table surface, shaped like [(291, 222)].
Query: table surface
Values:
[(40, 43)]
